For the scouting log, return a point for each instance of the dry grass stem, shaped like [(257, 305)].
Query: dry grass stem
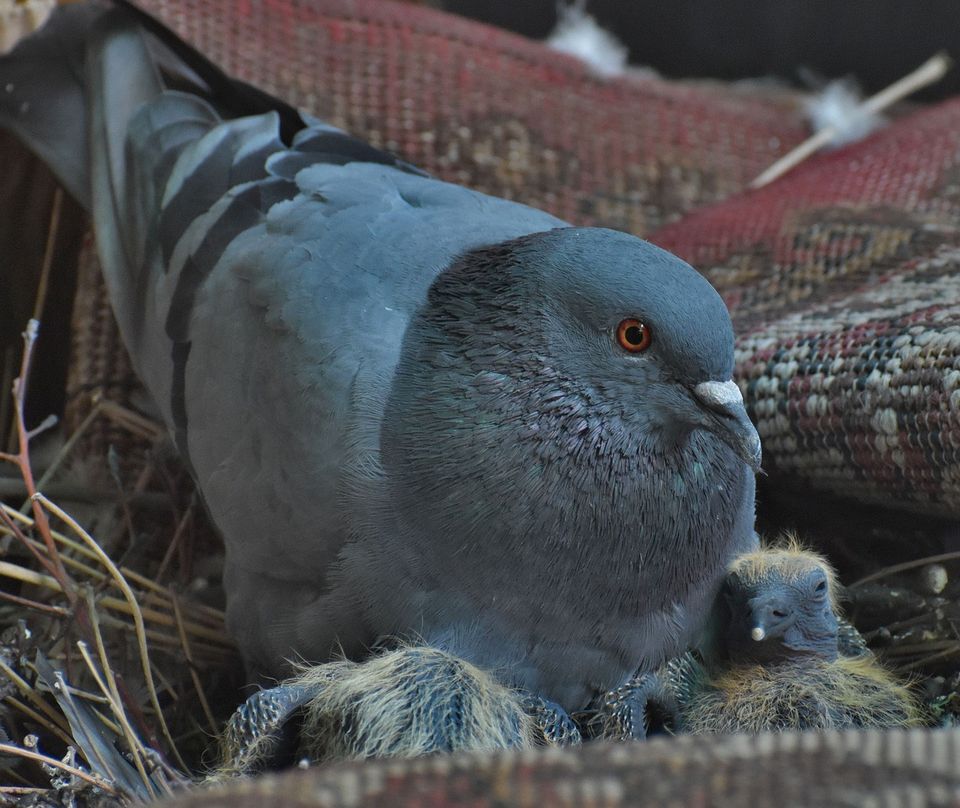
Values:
[(22, 460), (203, 622), (135, 613), (109, 690), (906, 566), (33, 697), (925, 661), (53, 229), (92, 779), (43, 721), (175, 541), (133, 422), (70, 596), (201, 694), (64, 452)]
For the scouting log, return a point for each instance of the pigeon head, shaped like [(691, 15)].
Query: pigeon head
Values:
[(554, 384), (778, 604), (646, 337)]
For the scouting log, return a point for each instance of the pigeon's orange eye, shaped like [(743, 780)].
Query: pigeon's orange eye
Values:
[(633, 335)]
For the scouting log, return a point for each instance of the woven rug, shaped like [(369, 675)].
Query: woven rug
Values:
[(844, 286)]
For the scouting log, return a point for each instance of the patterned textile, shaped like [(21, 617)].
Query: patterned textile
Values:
[(843, 282), (894, 768)]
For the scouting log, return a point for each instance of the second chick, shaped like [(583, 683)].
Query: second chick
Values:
[(778, 658)]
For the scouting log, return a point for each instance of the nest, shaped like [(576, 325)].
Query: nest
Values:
[(116, 670)]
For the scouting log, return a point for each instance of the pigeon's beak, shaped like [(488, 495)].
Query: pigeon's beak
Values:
[(727, 418)]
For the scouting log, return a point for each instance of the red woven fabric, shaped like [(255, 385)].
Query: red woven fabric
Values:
[(843, 282)]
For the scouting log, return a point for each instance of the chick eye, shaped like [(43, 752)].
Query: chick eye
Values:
[(634, 336), (821, 587)]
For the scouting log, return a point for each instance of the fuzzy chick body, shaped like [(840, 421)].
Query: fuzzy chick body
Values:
[(849, 692), (408, 702), (399, 703)]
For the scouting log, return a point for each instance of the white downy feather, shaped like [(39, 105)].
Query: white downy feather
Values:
[(578, 34), (838, 105)]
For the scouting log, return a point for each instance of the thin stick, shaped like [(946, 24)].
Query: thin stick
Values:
[(165, 620), (214, 632), (52, 232), (171, 772), (181, 529), (31, 695), (223, 647), (35, 605), (22, 460), (130, 420), (80, 693), (924, 661), (64, 452), (929, 72), (899, 625), (166, 684), (135, 613), (92, 779), (160, 619), (15, 531), (920, 647), (906, 565), (197, 685), (109, 689), (33, 715), (14, 488), (213, 617), (171, 644), (18, 777)]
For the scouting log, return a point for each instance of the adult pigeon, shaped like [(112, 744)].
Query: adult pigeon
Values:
[(413, 410)]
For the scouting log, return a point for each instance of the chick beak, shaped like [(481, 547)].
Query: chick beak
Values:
[(770, 616), (727, 418)]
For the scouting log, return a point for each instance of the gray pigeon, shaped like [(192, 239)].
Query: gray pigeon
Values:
[(413, 410)]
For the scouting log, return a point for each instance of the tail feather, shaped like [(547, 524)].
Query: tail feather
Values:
[(120, 79), (234, 98), (42, 98)]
